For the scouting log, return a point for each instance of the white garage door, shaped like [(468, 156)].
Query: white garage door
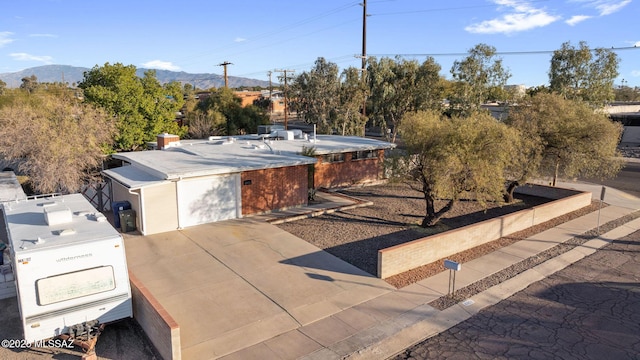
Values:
[(206, 200)]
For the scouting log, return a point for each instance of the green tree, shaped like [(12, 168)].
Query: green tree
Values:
[(29, 83), (400, 86), (142, 107), (57, 141), (455, 157), (317, 95), (574, 140), (584, 74), (3, 87), (475, 79), (351, 95), (622, 93), (237, 119)]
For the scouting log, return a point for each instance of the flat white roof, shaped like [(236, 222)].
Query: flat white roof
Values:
[(224, 156), (28, 229)]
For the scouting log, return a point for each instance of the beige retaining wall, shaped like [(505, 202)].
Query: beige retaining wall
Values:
[(156, 322), (410, 255)]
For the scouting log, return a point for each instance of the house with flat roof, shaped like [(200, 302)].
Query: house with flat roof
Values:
[(196, 182)]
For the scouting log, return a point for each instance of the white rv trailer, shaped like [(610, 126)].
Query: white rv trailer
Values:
[(69, 264), (10, 190)]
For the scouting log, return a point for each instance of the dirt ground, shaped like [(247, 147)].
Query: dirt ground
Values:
[(356, 235)]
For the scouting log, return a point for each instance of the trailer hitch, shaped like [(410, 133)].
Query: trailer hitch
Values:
[(85, 335)]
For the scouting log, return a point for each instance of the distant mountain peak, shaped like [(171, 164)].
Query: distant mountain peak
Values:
[(74, 74)]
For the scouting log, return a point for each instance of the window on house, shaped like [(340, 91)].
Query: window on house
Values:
[(363, 154), (331, 158)]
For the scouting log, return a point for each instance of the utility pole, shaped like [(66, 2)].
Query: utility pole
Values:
[(270, 97), (364, 61), (286, 100), (226, 79)]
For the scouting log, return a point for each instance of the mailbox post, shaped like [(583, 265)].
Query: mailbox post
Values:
[(453, 268), (602, 192)]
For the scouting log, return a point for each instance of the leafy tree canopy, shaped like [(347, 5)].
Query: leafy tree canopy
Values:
[(223, 113), (401, 86), (476, 78), (574, 140), (584, 74), (143, 108), (56, 140), (456, 157)]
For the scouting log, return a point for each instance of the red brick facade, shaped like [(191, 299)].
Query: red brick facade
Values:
[(272, 189), (347, 172)]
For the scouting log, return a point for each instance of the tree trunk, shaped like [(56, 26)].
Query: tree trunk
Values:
[(555, 175), (508, 196), (432, 218)]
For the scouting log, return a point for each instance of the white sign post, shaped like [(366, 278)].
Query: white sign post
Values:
[(453, 268), (602, 192)]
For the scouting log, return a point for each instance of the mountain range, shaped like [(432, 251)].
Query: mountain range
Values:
[(74, 74)]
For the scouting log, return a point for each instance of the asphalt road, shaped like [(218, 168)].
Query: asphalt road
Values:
[(627, 180), (589, 310)]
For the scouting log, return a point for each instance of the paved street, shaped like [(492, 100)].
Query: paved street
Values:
[(627, 179), (590, 310)]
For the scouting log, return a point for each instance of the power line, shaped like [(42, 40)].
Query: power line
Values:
[(280, 29), (528, 52)]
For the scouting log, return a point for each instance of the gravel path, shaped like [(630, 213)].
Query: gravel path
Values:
[(358, 234)]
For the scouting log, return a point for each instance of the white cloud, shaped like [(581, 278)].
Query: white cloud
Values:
[(5, 38), (609, 7), (162, 65), (43, 35), (521, 16), (605, 7), (637, 43), (27, 57), (239, 39), (577, 19), (635, 73)]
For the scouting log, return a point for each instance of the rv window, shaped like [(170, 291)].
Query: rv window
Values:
[(74, 285)]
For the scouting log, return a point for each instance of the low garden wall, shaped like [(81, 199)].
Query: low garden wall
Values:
[(413, 254), (156, 322)]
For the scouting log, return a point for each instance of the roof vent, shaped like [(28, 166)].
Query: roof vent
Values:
[(55, 215)]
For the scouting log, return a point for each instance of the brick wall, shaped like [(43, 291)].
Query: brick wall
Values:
[(410, 255), (273, 189), (348, 172), (156, 322)]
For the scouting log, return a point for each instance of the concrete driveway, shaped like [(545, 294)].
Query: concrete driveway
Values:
[(233, 284)]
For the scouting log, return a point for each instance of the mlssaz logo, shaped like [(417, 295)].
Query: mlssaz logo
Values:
[(25, 260)]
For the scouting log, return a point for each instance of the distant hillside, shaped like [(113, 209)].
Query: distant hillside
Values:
[(74, 74)]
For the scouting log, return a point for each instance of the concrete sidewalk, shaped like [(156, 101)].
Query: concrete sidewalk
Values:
[(393, 321)]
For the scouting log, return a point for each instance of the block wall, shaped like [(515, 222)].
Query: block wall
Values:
[(410, 255)]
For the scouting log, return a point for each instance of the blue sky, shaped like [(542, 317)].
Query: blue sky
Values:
[(261, 36)]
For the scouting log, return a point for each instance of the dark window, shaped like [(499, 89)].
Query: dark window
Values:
[(331, 158), (363, 154)]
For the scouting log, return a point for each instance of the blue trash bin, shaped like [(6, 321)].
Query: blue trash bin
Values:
[(117, 207)]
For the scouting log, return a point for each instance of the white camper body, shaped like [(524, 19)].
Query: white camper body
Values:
[(69, 264)]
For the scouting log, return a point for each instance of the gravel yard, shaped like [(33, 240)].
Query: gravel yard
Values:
[(356, 235)]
